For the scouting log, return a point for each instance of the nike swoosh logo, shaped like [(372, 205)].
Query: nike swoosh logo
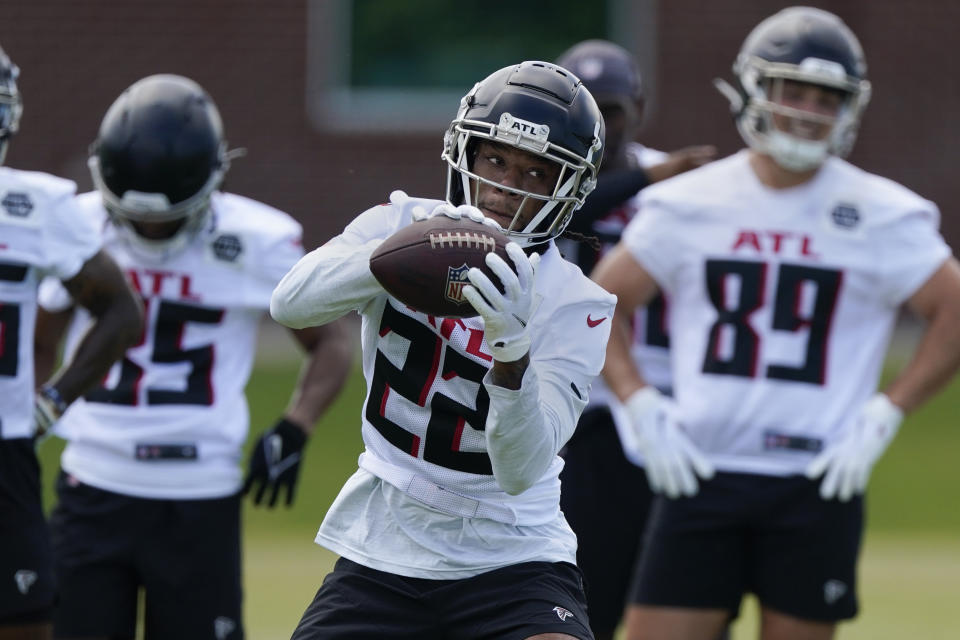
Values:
[(592, 323)]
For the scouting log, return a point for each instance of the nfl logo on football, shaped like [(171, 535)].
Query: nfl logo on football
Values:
[(456, 278)]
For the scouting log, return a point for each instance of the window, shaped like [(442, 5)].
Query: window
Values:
[(385, 65)]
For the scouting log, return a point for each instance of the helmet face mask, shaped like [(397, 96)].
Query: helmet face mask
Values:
[(804, 46), (11, 105), (539, 109), (159, 156)]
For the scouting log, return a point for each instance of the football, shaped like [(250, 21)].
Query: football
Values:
[(425, 264)]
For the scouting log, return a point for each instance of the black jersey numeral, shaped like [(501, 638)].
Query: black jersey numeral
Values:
[(742, 361), (9, 339), (822, 287), (10, 320), (655, 333), (413, 381), (168, 328)]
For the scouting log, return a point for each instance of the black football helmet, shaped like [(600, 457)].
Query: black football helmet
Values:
[(608, 70), (807, 45), (540, 108), (612, 76), (11, 106), (159, 156)]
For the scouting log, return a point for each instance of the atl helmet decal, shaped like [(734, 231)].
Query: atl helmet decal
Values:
[(456, 278)]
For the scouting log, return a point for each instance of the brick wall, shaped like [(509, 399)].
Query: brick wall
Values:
[(76, 57)]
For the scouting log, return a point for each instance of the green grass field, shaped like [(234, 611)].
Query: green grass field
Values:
[(910, 568)]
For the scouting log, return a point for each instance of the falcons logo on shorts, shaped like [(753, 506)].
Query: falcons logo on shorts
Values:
[(24, 579), (562, 613)]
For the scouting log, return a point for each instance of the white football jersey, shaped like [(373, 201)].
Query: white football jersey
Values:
[(170, 418), (41, 234), (782, 301), (426, 470)]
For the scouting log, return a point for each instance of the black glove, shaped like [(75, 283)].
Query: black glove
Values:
[(275, 462)]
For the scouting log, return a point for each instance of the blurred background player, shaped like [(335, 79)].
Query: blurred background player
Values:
[(150, 489), (605, 497), (785, 267), (42, 234), (452, 525)]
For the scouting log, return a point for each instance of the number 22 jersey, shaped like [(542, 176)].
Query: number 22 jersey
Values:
[(433, 498), (169, 419), (783, 301)]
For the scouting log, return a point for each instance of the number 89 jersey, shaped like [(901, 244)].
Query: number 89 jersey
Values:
[(783, 301), (170, 417), (40, 233)]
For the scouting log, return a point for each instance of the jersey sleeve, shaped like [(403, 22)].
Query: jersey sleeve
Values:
[(70, 238), (526, 428), (277, 256), (334, 278), (650, 237), (911, 250)]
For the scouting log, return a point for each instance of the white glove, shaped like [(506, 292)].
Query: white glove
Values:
[(48, 406), (463, 211), (670, 458), (848, 462), (505, 315)]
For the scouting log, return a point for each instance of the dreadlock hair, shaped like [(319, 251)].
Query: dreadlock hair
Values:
[(592, 241)]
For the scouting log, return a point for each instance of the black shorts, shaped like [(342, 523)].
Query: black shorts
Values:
[(513, 603), (605, 498), (27, 587), (185, 554), (774, 537)]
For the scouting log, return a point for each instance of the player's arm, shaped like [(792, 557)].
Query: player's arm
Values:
[(509, 375), (275, 459), (937, 356), (534, 402), (101, 288), (325, 284), (50, 327), (619, 273), (528, 425), (619, 185), (334, 279), (682, 160), (329, 350), (671, 461), (846, 465)]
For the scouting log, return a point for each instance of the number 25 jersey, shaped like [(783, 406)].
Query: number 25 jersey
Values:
[(783, 301), (169, 419)]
